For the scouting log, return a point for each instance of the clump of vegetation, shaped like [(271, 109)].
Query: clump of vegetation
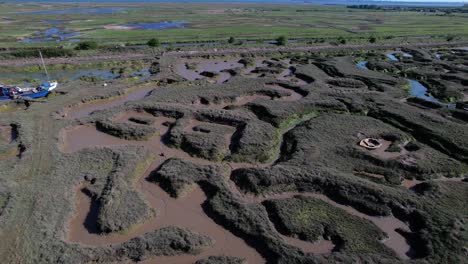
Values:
[(155, 67), (191, 65), (310, 219), (4, 197), (247, 61), (153, 43), (231, 40), (126, 131), (87, 78), (372, 39), (342, 40), (205, 141), (87, 45), (221, 260), (176, 176), (166, 241), (282, 41), (141, 120), (209, 74)]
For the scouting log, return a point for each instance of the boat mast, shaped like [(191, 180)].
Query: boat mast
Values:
[(43, 65)]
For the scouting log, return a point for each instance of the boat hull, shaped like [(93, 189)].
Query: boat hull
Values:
[(43, 90)]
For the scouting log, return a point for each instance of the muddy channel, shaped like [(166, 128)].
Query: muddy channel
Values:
[(187, 211), (183, 212)]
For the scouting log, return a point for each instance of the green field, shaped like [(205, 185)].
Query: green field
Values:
[(218, 21)]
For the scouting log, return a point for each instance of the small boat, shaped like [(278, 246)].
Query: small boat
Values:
[(15, 92)]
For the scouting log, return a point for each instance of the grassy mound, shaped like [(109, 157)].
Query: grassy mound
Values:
[(310, 218)]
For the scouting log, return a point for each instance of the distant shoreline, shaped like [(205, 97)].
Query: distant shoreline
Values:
[(320, 2)]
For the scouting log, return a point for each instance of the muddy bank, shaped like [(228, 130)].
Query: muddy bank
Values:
[(8, 134), (413, 182), (217, 69), (181, 212), (320, 247), (85, 109), (184, 212)]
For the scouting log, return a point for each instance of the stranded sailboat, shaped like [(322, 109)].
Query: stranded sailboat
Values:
[(15, 92)]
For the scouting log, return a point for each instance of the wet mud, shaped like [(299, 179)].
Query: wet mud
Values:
[(86, 109), (188, 209), (186, 212), (8, 134), (217, 66)]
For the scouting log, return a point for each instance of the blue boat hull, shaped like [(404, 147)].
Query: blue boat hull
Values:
[(32, 96), (43, 90), (39, 94)]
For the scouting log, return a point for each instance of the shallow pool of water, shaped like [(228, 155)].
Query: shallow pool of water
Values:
[(53, 21), (417, 89), (362, 65), (391, 56), (27, 78), (51, 34), (420, 91), (157, 25), (407, 55)]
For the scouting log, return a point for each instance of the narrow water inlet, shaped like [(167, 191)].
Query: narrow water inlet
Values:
[(26, 78), (418, 90)]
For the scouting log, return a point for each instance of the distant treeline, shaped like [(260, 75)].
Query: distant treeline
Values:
[(462, 9)]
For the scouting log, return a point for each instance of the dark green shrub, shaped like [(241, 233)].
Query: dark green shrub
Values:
[(153, 43), (281, 41), (86, 45), (342, 40)]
